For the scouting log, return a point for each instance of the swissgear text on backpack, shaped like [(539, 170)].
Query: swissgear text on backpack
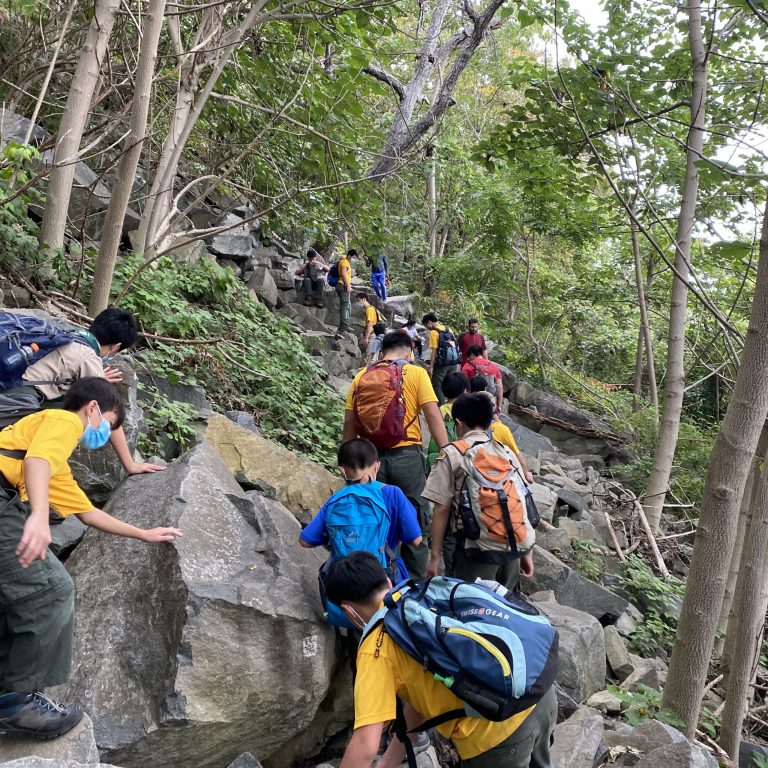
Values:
[(379, 405), (333, 277), (24, 340), (447, 351), (497, 654), (356, 518), (492, 511)]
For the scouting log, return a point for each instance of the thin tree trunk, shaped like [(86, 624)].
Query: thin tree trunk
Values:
[(73, 123), (637, 385), (432, 202), (726, 477), (126, 169), (666, 441), (747, 631)]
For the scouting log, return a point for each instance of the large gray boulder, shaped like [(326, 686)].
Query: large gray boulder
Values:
[(237, 242), (528, 441), (194, 652), (44, 762), (582, 650), (577, 740), (573, 589), (263, 286), (682, 755), (401, 305), (79, 745)]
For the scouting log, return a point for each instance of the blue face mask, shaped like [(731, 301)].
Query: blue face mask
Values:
[(107, 359), (96, 437)]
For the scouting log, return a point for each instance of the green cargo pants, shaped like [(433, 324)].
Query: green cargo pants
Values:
[(345, 306), (439, 372), (406, 468), (37, 609), (528, 746), (468, 569)]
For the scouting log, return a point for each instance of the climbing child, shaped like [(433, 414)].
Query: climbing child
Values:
[(373, 351), (36, 592), (313, 284)]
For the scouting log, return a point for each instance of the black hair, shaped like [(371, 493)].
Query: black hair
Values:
[(351, 252), (312, 253), (357, 453), (430, 317), (475, 410), (90, 388), (411, 322), (361, 295), (475, 350), (355, 578), (380, 328), (115, 326), (455, 384), (396, 340), (478, 384), (471, 320)]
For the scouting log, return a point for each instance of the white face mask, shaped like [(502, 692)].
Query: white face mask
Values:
[(355, 618)]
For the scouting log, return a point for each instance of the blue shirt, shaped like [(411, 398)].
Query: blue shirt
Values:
[(403, 524)]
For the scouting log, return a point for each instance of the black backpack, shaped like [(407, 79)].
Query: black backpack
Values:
[(447, 350)]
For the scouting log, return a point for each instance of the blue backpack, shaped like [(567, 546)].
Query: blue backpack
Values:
[(17, 335), (499, 655), (356, 518), (332, 278)]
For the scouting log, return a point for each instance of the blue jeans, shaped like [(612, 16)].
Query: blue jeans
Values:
[(379, 280)]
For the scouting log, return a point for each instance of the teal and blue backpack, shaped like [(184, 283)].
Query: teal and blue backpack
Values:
[(356, 518), (499, 655)]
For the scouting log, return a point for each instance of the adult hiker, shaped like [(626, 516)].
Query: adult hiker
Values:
[(371, 316), (373, 350), (313, 285), (37, 594), (383, 405), (364, 515), (379, 274), (494, 540), (444, 356), (340, 278), (477, 365), (447, 668), (470, 338), (85, 353)]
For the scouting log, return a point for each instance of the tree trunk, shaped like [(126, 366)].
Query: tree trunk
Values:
[(73, 123), (126, 169), (751, 612), (726, 477), (666, 441), (637, 385), (432, 202)]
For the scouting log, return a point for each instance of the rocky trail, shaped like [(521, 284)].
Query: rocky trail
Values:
[(212, 652)]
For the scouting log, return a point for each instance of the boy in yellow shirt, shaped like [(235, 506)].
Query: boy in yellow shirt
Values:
[(36, 592), (371, 317), (358, 584)]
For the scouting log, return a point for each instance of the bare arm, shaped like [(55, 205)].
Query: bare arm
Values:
[(395, 753), (440, 516), (435, 423), (97, 518), (349, 426), (499, 392), (120, 444), (37, 532), (346, 278), (368, 331), (526, 472), (363, 746)]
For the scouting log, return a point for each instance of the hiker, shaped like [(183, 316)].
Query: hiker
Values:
[(379, 274), (413, 332), (344, 289), (373, 350), (395, 431), (371, 317), (471, 338), (37, 596), (444, 357), (477, 365), (387, 670), (454, 385), (85, 353), (313, 285), (366, 514), (497, 546)]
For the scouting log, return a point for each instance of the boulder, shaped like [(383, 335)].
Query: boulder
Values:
[(262, 285), (79, 745), (528, 441), (579, 530), (617, 654), (246, 760), (508, 379), (606, 702), (575, 501), (555, 457), (99, 472), (582, 650), (576, 741), (591, 460), (259, 464), (340, 363), (179, 393), (555, 540), (194, 652), (747, 753), (17, 297), (43, 762), (573, 589), (648, 672), (307, 318), (546, 500), (681, 755), (66, 535), (189, 253), (401, 305), (244, 420), (653, 734), (235, 243)]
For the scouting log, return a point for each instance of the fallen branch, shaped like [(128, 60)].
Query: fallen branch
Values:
[(614, 540), (567, 426)]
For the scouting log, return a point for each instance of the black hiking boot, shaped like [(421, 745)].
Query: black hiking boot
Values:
[(34, 714), (319, 304)]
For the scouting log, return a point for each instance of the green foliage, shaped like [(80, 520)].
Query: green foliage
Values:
[(586, 560), (165, 420), (255, 361), (759, 760), (18, 232), (657, 629), (644, 703)]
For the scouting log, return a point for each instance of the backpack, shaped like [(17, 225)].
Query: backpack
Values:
[(492, 512), (313, 270), (379, 405), (490, 379), (447, 351), (433, 451), (497, 654), (333, 277), (356, 518), (35, 338)]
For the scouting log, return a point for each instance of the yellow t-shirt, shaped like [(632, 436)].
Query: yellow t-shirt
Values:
[(503, 434), (434, 336), (371, 315), (344, 277), (51, 435), (417, 392), (386, 672)]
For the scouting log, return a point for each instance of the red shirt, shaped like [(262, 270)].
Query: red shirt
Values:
[(467, 340), (480, 367)]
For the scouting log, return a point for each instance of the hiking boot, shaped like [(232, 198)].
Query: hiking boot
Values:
[(34, 714), (307, 302), (319, 304)]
